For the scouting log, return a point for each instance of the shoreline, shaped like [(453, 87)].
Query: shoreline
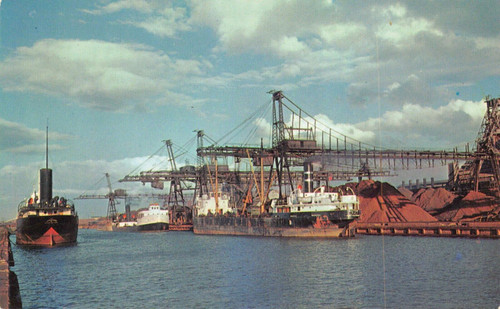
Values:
[(471, 229), (10, 296)]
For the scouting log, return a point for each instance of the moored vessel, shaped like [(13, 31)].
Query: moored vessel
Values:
[(316, 214), (155, 218), (124, 226), (304, 213), (44, 220), (126, 222)]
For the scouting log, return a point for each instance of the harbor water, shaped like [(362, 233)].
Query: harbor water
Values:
[(183, 270)]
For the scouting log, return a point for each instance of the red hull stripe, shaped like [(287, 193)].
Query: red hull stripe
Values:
[(50, 238)]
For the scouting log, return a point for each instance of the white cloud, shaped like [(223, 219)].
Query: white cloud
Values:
[(289, 47), (405, 30), (415, 125), (262, 128), (166, 22), (475, 110), (338, 130), (156, 17), (263, 27), (235, 23), (339, 35), (113, 7), (487, 43), (17, 138), (17, 182), (99, 74), (324, 42), (396, 10)]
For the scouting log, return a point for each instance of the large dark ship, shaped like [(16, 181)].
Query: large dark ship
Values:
[(43, 220)]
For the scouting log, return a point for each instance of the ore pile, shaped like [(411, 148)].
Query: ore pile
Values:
[(433, 200), (446, 206), (381, 202)]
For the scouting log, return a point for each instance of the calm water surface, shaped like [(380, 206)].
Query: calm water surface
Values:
[(183, 270)]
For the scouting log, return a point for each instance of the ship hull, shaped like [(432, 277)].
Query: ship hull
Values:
[(271, 227), (47, 230), (158, 226), (124, 227)]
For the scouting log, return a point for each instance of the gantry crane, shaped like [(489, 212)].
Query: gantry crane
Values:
[(111, 213), (180, 213), (482, 171), (112, 195), (301, 140)]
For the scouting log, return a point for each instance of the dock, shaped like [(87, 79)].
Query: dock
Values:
[(10, 296), (432, 229), (180, 227)]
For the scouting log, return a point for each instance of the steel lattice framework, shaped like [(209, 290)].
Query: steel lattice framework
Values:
[(303, 139)]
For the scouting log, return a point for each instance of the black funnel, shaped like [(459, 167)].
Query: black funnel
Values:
[(127, 212), (45, 185)]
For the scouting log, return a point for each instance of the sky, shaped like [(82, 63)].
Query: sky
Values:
[(114, 79)]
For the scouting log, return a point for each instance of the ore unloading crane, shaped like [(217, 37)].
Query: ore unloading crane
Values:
[(482, 171), (299, 140), (181, 216), (111, 213), (303, 138), (112, 195)]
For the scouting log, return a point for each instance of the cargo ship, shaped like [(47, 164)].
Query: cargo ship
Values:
[(276, 205), (304, 213), (43, 220), (316, 214), (124, 226), (154, 218)]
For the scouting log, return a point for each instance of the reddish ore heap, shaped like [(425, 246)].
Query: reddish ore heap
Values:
[(447, 206), (381, 203)]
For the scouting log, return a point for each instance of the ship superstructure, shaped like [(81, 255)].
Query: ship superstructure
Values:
[(155, 218)]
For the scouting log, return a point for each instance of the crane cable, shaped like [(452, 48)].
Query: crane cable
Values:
[(244, 122), (145, 160)]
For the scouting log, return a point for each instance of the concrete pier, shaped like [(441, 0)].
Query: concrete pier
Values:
[(437, 229), (10, 297)]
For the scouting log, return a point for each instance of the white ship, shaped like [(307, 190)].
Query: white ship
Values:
[(337, 207), (154, 218), (208, 205)]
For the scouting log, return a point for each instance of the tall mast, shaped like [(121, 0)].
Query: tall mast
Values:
[(46, 174), (47, 146)]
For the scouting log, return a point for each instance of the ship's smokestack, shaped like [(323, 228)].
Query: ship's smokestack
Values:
[(127, 212), (45, 185), (308, 177)]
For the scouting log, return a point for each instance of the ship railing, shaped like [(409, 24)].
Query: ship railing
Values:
[(25, 205), (70, 204), (22, 205)]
